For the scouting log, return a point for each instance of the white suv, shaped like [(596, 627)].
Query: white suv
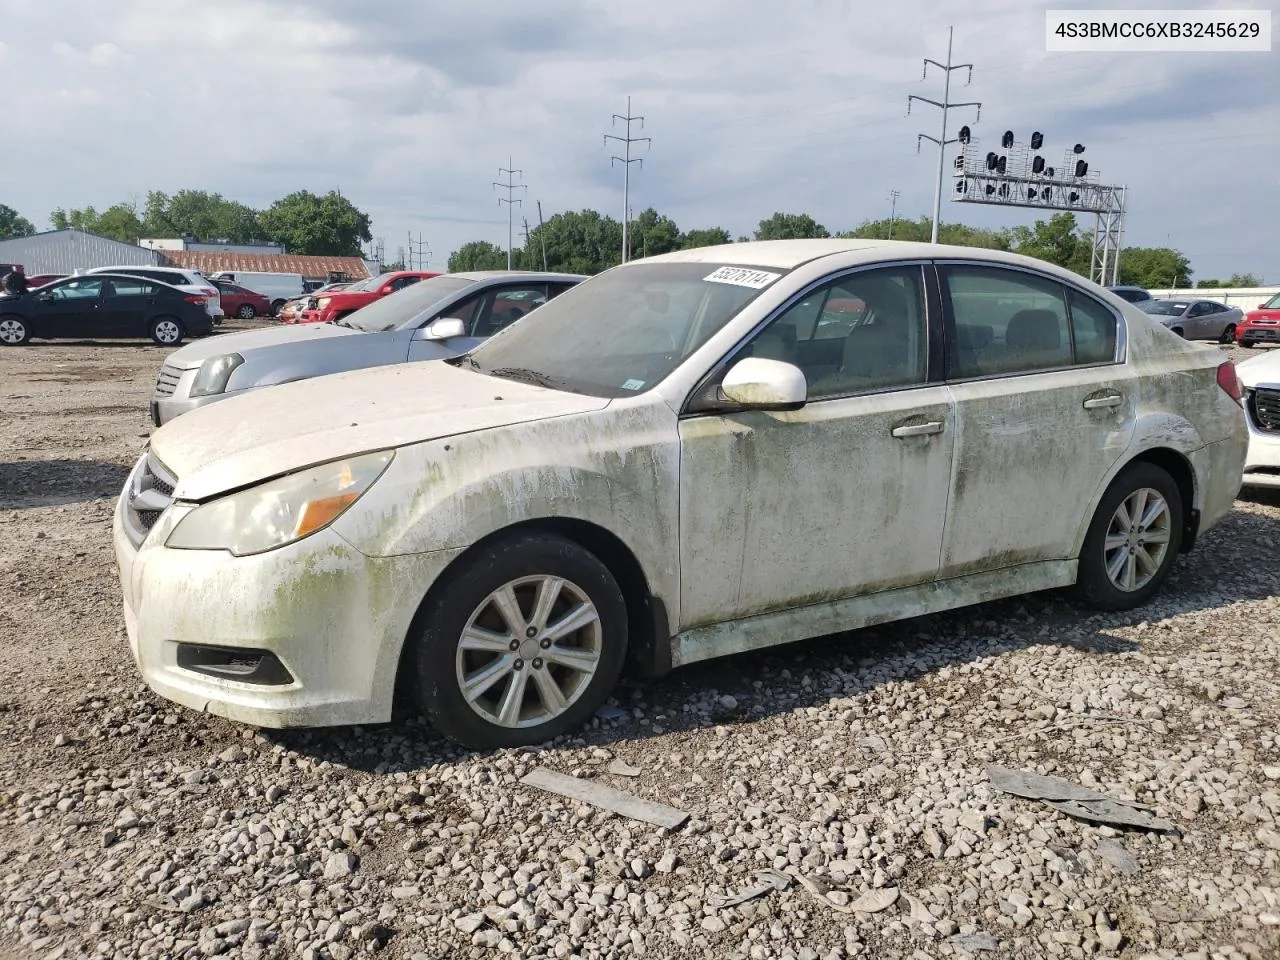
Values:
[(188, 281)]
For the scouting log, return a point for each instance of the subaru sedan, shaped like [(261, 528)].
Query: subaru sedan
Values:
[(686, 456)]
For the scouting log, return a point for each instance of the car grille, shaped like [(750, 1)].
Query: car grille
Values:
[(167, 381), (148, 495), (1264, 406)]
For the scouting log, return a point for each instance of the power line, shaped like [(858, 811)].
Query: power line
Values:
[(510, 186), (946, 104), (626, 161)]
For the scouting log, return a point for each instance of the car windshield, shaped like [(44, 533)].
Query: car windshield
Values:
[(366, 284), (624, 331), (1164, 308), (406, 307), (1273, 303)]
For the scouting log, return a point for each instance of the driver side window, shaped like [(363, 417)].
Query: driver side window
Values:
[(78, 290), (863, 332)]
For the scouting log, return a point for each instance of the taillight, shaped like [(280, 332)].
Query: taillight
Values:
[(192, 298), (1229, 381)]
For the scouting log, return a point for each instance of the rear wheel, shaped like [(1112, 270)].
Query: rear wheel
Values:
[(276, 305), (166, 331), (1228, 334), (246, 311), (521, 644), (1132, 541), (14, 331)]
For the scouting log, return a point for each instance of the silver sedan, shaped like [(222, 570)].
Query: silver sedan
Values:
[(434, 319), (1195, 319)]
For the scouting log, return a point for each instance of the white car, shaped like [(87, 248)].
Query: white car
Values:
[(188, 281), (1261, 379), (686, 456)]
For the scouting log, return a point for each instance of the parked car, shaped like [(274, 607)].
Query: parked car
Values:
[(288, 313), (40, 279), (278, 288), (238, 301), (439, 317), (335, 306), (1261, 325), (1261, 379), (188, 281), (1195, 319), (103, 306), (663, 464), (1132, 294)]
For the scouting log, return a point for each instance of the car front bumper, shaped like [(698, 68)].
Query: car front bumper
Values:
[(1258, 333), (1262, 461), (325, 623)]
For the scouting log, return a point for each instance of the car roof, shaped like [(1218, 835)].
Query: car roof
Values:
[(103, 274), (517, 276)]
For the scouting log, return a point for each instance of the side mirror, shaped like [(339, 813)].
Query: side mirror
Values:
[(443, 328), (760, 384), (1262, 306), (44, 296)]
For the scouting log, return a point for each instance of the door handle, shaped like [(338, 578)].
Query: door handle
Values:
[(1110, 400), (918, 429)]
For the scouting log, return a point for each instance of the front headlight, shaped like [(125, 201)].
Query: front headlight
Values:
[(323, 302), (280, 511), (213, 375)]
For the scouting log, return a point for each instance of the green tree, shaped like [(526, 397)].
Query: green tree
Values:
[(1208, 284), (1057, 240), (84, 219), (652, 233), (1154, 268), (309, 224), (481, 255), (207, 216), (1244, 280), (13, 224), (705, 237), (920, 231), (578, 241), (790, 226), (119, 222)]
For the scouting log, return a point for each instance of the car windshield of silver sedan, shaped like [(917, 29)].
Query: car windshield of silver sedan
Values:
[(406, 306), (1163, 308), (624, 331)]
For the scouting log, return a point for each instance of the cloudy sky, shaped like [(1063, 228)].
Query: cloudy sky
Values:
[(410, 107)]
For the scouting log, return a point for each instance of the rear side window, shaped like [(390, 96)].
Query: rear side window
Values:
[(134, 288), (1093, 328)]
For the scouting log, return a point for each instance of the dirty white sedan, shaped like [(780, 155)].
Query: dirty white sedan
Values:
[(686, 456)]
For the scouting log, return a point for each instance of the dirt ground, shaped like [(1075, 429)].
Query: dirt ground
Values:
[(73, 710)]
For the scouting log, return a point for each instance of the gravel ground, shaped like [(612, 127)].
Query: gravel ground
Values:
[(130, 827)]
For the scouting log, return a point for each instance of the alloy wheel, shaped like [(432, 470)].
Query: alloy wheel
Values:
[(167, 331), (529, 651), (12, 331), (1137, 539)]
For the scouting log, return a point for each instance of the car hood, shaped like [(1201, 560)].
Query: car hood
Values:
[(1261, 369), (247, 439), (245, 342)]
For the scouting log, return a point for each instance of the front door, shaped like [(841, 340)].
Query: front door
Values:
[(1044, 412), (72, 308), (843, 497)]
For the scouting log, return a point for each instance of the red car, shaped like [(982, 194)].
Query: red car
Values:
[(334, 306), (238, 301), (1261, 325)]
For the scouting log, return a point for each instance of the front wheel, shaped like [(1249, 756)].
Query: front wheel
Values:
[(166, 332), (520, 644), (14, 331), (1132, 541), (1178, 331), (1228, 334), (1247, 344), (276, 305)]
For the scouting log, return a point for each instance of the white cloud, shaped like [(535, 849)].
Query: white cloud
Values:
[(411, 108)]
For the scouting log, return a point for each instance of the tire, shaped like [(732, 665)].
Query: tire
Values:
[(1095, 585), (1178, 331), (246, 311), (1228, 334), (14, 331), (166, 331), (276, 305), (1247, 344), (527, 567)]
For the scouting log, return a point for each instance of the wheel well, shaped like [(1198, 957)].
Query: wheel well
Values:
[(1178, 467), (648, 627)]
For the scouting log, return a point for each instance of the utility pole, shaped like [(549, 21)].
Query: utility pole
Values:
[(420, 245), (626, 161), (511, 187), (946, 104), (524, 233), (893, 209), (542, 236)]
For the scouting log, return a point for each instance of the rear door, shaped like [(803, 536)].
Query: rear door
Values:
[(1045, 406), (127, 305)]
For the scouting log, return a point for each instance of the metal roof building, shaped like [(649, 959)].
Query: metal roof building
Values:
[(65, 251)]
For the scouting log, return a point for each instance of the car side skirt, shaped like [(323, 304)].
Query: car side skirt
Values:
[(854, 613)]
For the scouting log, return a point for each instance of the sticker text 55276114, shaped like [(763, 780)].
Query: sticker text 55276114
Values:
[(743, 277)]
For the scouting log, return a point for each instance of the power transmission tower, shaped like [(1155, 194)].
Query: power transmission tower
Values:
[(511, 187), (946, 104), (893, 209), (420, 246), (626, 161)]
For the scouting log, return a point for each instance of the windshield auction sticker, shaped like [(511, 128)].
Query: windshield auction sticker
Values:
[(743, 277)]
